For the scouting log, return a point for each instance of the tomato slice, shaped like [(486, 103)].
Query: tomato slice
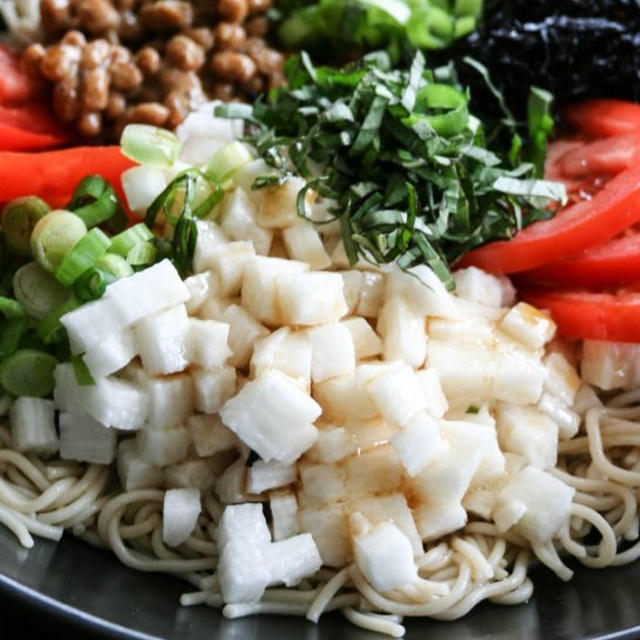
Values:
[(29, 127), (574, 229), (16, 86), (585, 315), (604, 117)]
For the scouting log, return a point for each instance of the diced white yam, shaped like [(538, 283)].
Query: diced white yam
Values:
[(403, 332), (377, 470), (333, 444), (352, 283), (230, 487), (285, 351), (243, 523), (210, 239), (110, 354), (171, 400), (345, 398), (273, 416), (242, 573), (547, 500), (475, 331), (142, 185), (398, 395), (385, 557), (366, 341), (147, 292), (310, 298), (320, 483), (278, 209), (227, 264), (244, 331), (197, 474), (83, 438), (259, 286), (209, 436), (133, 471), (529, 326), (245, 176), (492, 465), (303, 243), (201, 287), (610, 365), (92, 323), (238, 221), (160, 448), (32, 426), (418, 443), (284, 514), (568, 421), (507, 513), (201, 124), (526, 431), (213, 388), (329, 528), (371, 294), (371, 433), (213, 308), (435, 519), (270, 475), (475, 285), (562, 379), (115, 403), (519, 375), (437, 404), (291, 560), (423, 289), (332, 352), (180, 511), (585, 399), (207, 343), (162, 341)]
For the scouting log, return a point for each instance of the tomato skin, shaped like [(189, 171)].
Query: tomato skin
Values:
[(29, 127), (584, 315), (16, 86), (604, 117)]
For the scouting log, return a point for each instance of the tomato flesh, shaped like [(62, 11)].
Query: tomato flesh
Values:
[(16, 86), (604, 117), (29, 127)]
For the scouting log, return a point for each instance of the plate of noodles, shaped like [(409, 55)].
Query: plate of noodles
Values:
[(340, 338)]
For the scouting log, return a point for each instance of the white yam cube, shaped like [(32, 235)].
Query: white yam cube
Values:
[(547, 500), (507, 513), (366, 341), (210, 239), (180, 511), (115, 403), (475, 285), (246, 175), (147, 292), (475, 331), (527, 431), (284, 514), (171, 400), (259, 286), (230, 487), (398, 395), (243, 523), (320, 483), (291, 560), (371, 433), (345, 398), (242, 573), (207, 343), (111, 354), (492, 465), (133, 471), (162, 341), (278, 209), (303, 243), (568, 421), (418, 443), (435, 519), (201, 287), (519, 375), (329, 528), (286, 351), (32, 426), (213, 308), (238, 221), (333, 444), (437, 404), (371, 294), (529, 326), (160, 448), (377, 470), (227, 264), (332, 352), (213, 388), (83, 438), (385, 557), (199, 474), (310, 298), (403, 332), (352, 283), (244, 331), (209, 436), (142, 185), (273, 416), (610, 365), (562, 379), (270, 475)]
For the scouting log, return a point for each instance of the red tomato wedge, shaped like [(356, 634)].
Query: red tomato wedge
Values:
[(596, 316), (29, 127), (574, 229), (16, 86), (602, 117), (53, 175)]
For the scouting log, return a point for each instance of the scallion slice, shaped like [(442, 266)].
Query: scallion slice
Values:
[(54, 236), (19, 217), (142, 254), (92, 284), (83, 255), (37, 290), (127, 240), (50, 329), (227, 159), (94, 200), (150, 145), (83, 375), (114, 264), (11, 309), (11, 332), (28, 373)]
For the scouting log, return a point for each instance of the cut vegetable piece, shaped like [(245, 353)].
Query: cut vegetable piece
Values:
[(244, 523), (160, 448), (150, 145), (238, 221), (209, 436), (201, 287), (333, 444), (366, 341), (278, 208), (242, 573), (291, 560), (284, 514), (403, 332), (303, 243), (519, 375), (332, 352), (371, 294), (142, 185), (477, 286), (351, 289), (210, 238), (32, 426), (528, 325), (568, 421), (287, 351), (610, 365), (227, 264), (375, 471), (134, 472), (562, 379), (200, 474), (180, 511), (437, 404), (83, 438), (171, 400), (328, 526), (270, 475), (244, 332), (207, 343), (321, 483), (112, 352), (344, 399), (213, 388), (418, 443)]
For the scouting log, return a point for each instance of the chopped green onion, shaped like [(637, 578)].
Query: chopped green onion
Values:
[(92, 284), (37, 290), (19, 217), (94, 200), (11, 332), (227, 159), (83, 375), (50, 329), (54, 236), (28, 373), (83, 255), (127, 240), (114, 264), (150, 145), (11, 309), (142, 254)]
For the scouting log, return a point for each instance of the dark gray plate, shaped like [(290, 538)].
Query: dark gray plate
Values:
[(77, 591)]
